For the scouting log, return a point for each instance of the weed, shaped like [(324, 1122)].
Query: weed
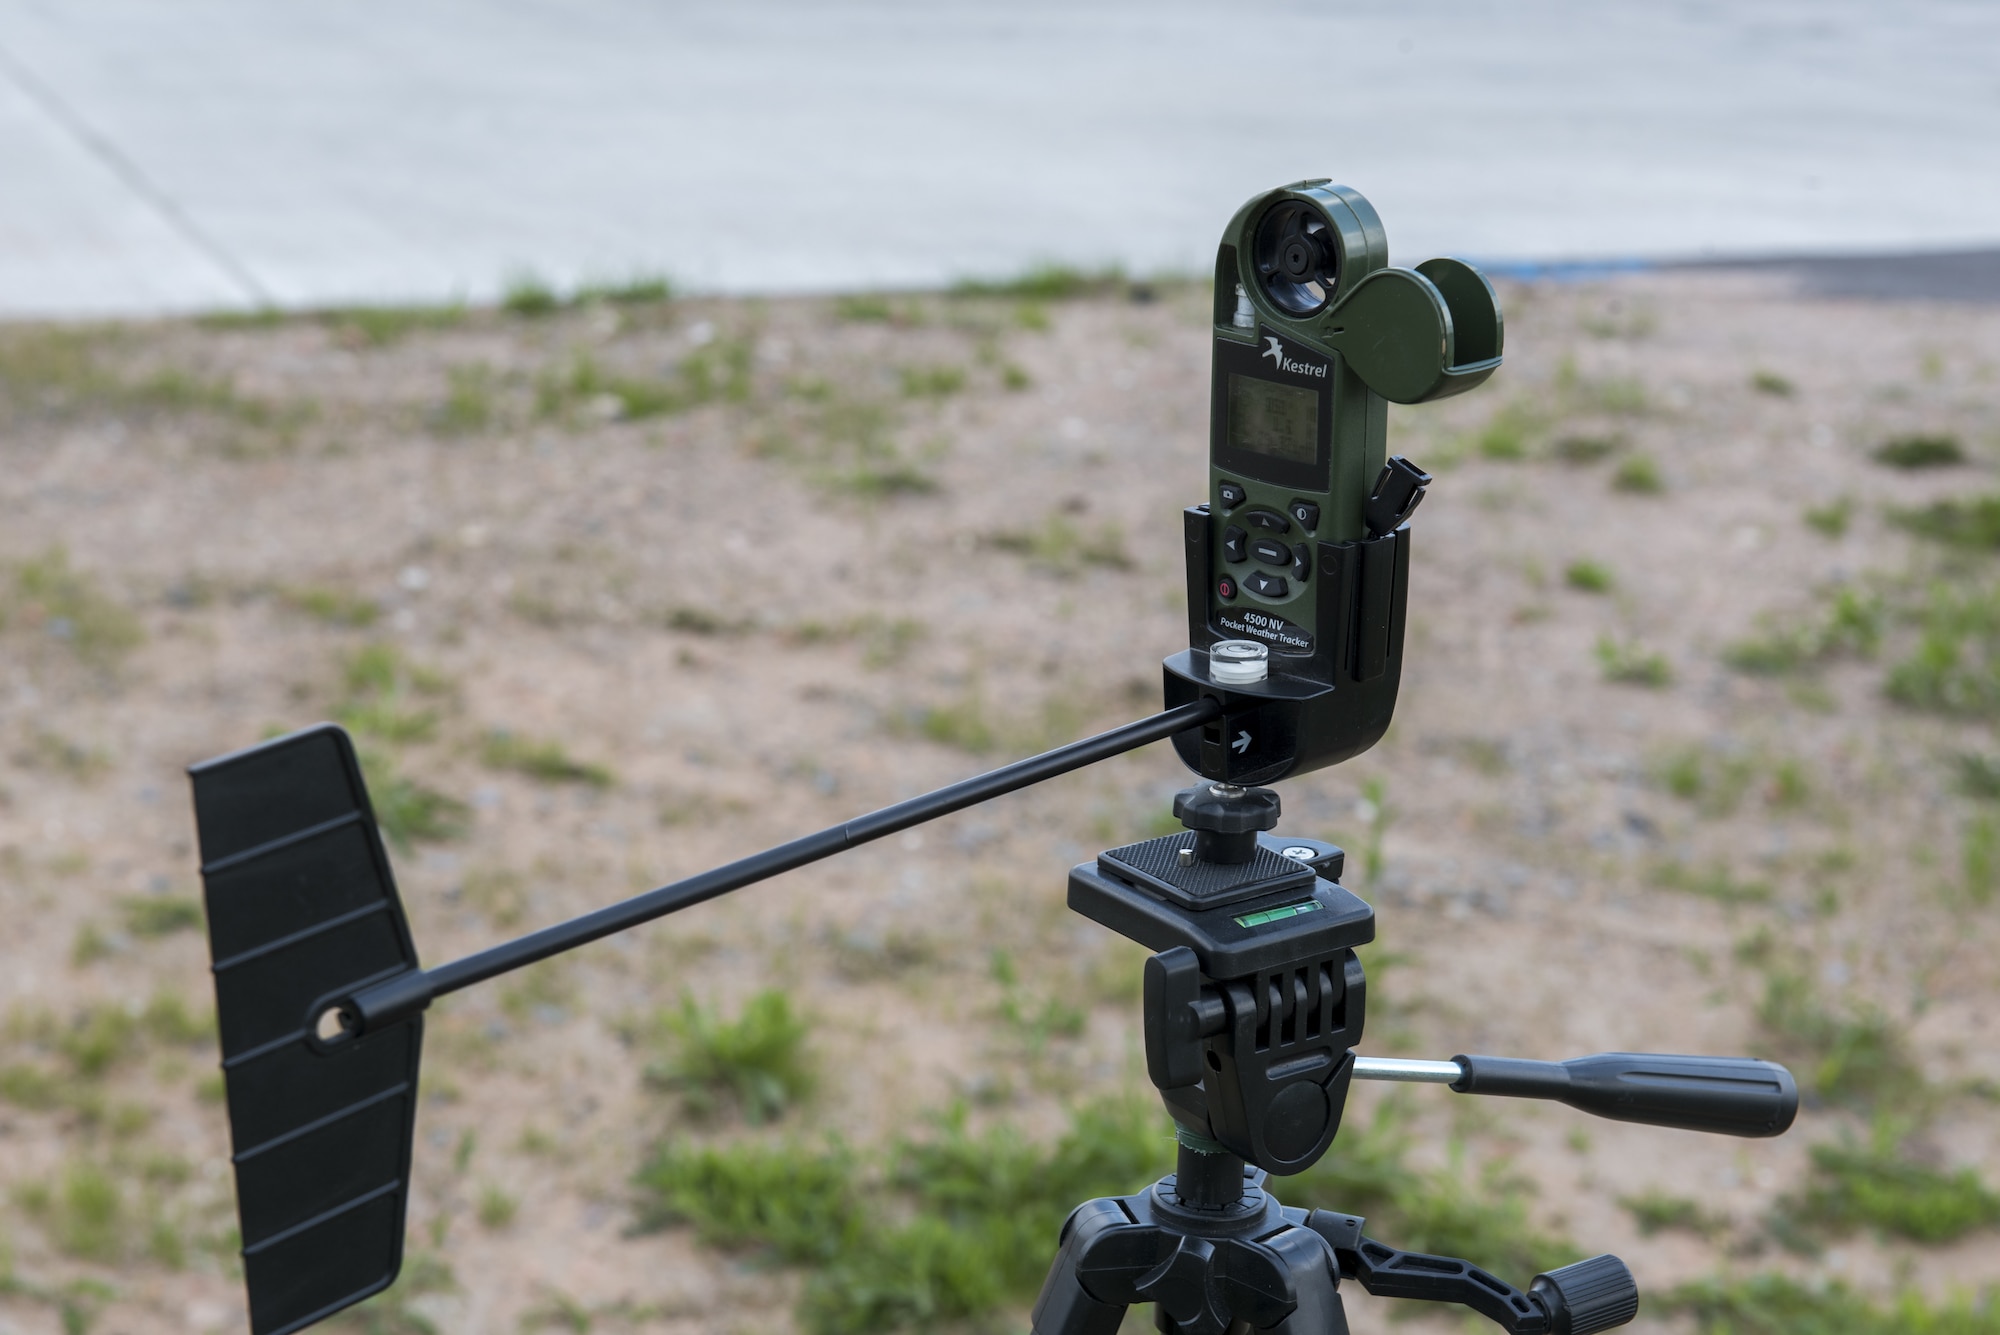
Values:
[(1770, 382), (1979, 858), (1589, 576), (1971, 523), (1851, 626), (408, 811), (1437, 1212), (1060, 548), (1046, 282), (757, 1061), (83, 1214), (1955, 666), (527, 295), (1505, 436), (1773, 1304), (1715, 883), (962, 723), (45, 750), (90, 946), (865, 308), (1639, 475), (469, 404), (1632, 665), (638, 290), (1978, 776), (1910, 452), (161, 915), (1832, 519), (546, 761), (932, 382), (802, 1204), (1858, 1056), (881, 479), (1657, 1211), (390, 1312), (380, 683), (379, 326), (335, 607), (1014, 378), (1875, 1187), (64, 604), (1714, 782), (496, 1208), (703, 621), (1584, 449)]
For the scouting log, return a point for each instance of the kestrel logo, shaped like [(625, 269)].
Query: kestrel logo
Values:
[(1279, 358)]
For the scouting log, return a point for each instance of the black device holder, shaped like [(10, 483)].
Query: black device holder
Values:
[(1253, 1004), (1315, 709)]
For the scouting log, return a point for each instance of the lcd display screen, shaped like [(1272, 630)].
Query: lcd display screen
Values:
[(1271, 419)]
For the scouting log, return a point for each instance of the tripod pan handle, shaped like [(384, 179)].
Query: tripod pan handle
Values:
[(1731, 1096)]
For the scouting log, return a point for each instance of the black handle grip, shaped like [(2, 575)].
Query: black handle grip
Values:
[(1592, 1295), (1730, 1096)]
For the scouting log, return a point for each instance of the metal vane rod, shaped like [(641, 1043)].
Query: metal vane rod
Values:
[(1408, 1070), (387, 1002)]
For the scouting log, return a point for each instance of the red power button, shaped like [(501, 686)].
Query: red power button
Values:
[(1227, 588)]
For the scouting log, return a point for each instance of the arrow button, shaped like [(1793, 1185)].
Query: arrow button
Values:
[(1241, 746)]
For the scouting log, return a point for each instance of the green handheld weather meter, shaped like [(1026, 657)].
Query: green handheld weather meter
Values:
[(1300, 558)]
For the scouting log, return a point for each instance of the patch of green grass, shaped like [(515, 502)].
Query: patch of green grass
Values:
[(1832, 519), (83, 1213), (1851, 625), (1973, 522), (1631, 664), (1979, 858), (884, 640), (1506, 436), (46, 594), (528, 295), (1639, 475), (932, 382), (1978, 776), (1853, 1055), (1584, 449), (962, 723), (161, 915), (1014, 378), (1770, 382), (380, 326), (1955, 666), (390, 1312), (637, 290), (1771, 1304), (1924, 451), (1060, 547), (1045, 282), (334, 607), (53, 753), (940, 1230), (470, 400), (705, 621), (1589, 576), (1656, 1211), (407, 811), (381, 686), (547, 761), (1714, 882), (1876, 1187), (1443, 1212), (757, 1062), (1713, 781), (497, 1208)]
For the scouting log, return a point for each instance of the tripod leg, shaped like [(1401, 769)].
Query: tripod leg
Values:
[(1065, 1307)]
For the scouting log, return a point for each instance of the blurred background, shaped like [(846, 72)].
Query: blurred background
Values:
[(658, 431), (227, 154)]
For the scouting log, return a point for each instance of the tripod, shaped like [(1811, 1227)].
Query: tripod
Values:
[(1251, 1010)]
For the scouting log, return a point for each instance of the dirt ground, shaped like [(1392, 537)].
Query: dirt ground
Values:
[(772, 564)]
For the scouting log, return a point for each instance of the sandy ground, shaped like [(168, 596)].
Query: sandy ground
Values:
[(745, 609)]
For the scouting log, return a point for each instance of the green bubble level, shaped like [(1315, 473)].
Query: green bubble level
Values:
[(1278, 914)]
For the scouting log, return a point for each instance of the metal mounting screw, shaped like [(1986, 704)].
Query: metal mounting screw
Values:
[(1187, 857), (1300, 853)]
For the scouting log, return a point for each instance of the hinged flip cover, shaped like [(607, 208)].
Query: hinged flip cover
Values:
[(301, 906)]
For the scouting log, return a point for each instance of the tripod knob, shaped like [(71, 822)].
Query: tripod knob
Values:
[(1592, 1295), (1226, 819)]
